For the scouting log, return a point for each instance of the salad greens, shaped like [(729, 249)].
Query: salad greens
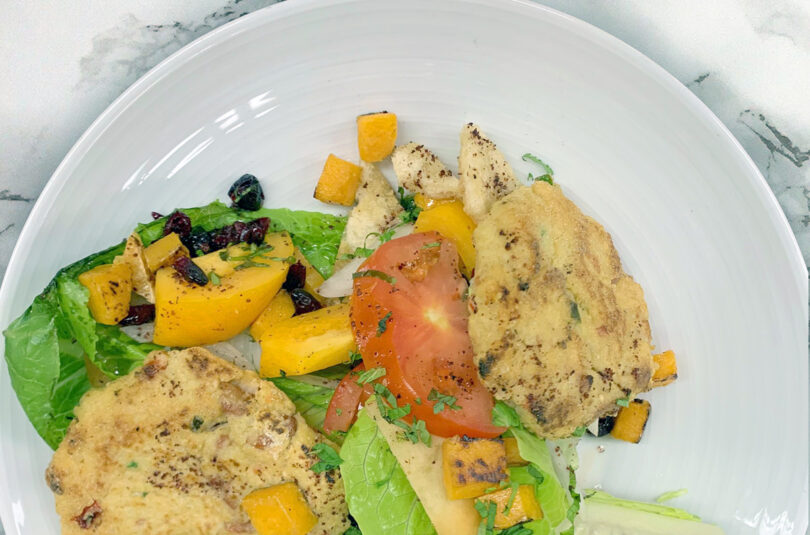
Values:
[(311, 401), (378, 493), (46, 346)]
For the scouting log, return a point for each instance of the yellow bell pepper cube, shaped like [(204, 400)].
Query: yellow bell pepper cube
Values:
[(110, 287), (450, 220), (513, 457), (307, 343), (279, 510)]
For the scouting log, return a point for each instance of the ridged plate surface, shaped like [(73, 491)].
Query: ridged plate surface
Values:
[(274, 92)]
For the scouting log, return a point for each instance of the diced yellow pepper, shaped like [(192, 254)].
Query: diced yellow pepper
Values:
[(307, 343), (188, 315), (280, 308), (279, 510), (314, 279), (339, 181), (524, 506), (450, 220), (376, 135), (513, 457), (471, 466), (110, 287), (163, 252), (667, 370), (428, 202)]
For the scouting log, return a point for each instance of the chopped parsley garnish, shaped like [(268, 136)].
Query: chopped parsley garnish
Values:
[(511, 501), (575, 311), (487, 510), (338, 411), (548, 176), (432, 245), (536, 474), (196, 423), (374, 273), (391, 413), (370, 375), (360, 252), (329, 458), (411, 210), (132, 464), (623, 402), (214, 278), (518, 529), (354, 357), (382, 325), (442, 401), (579, 431)]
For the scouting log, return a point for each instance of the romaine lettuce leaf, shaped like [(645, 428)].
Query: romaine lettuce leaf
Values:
[(46, 345), (377, 491), (310, 400)]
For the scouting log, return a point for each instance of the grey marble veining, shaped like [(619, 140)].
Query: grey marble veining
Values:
[(117, 42)]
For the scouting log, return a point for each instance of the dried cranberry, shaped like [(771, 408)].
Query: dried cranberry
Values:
[(239, 232), (257, 229), (190, 271), (246, 193), (88, 516), (219, 239), (304, 302), (178, 223), (156, 215), (198, 242), (139, 314), (296, 277)]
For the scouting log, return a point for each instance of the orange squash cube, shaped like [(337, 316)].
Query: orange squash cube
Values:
[(424, 202), (339, 181), (279, 510), (524, 506), (631, 421), (376, 135), (110, 287), (472, 465), (667, 370), (163, 252), (513, 457)]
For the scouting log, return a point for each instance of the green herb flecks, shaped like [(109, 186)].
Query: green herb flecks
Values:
[(329, 458), (196, 423), (487, 510), (579, 431), (548, 176), (132, 464), (214, 278), (409, 206), (354, 357), (432, 245), (370, 375), (511, 501), (382, 325), (376, 274), (442, 401), (387, 403), (623, 402), (575, 312)]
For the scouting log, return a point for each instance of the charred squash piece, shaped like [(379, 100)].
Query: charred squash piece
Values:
[(472, 465), (511, 510), (631, 421), (667, 369)]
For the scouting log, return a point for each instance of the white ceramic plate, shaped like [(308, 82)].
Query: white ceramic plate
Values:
[(274, 92)]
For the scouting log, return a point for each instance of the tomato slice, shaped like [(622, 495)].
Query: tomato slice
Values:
[(345, 402), (409, 316)]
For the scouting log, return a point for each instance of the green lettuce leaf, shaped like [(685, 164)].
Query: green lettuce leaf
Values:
[(377, 490), (598, 496), (310, 400)]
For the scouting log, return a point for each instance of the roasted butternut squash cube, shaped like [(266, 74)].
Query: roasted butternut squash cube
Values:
[(339, 181), (280, 308), (631, 421), (307, 343), (279, 510), (424, 202), (472, 465), (450, 220), (667, 370), (189, 315), (524, 506), (313, 279), (376, 135), (163, 252), (513, 457), (110, 287)]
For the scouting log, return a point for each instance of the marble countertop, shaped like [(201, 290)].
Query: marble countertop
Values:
[(64, 62)]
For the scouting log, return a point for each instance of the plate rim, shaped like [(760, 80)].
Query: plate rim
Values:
[(267, 15)]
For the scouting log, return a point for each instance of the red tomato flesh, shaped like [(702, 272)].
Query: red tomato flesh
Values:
[(345, 402), (409, 316)]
